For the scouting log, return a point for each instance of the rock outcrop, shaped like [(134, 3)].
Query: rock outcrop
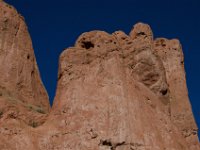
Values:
[(114, 92), (23, 99)]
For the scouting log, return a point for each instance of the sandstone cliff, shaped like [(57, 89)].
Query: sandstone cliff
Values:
[(23, 99), (114, 92)]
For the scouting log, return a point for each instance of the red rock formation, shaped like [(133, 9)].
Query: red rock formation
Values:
[(114, 92), (23, 98)]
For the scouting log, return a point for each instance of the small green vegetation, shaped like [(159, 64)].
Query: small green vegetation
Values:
[(40, 110), (13, 98), (30, 107), (36, 108), (33, 124)]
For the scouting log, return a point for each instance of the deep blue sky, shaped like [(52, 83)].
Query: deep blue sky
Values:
[(55, 25)]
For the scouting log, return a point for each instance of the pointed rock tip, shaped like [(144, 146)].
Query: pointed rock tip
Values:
[(141, 29), (26, 86), (119, 34), (173, 43)]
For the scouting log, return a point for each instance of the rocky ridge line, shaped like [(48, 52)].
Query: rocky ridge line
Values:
[(114, 92)]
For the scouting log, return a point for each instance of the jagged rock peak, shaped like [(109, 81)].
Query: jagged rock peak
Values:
[(23, 97), (19, 73), (136, 80), (141, 30)]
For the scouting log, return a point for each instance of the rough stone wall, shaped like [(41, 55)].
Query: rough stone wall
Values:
[(114, 92), (24, 101)]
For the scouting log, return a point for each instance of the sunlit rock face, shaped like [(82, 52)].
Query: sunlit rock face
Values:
[(114, 92), (24, 101)]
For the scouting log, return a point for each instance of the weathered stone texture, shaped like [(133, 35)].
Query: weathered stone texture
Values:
[(114, 92)]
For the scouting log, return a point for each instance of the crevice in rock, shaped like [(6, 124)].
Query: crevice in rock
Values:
[(112, 145), (1, 113), (140, 33), (18, 28), (189, 132), (164, 92), (60, 76), (28, 56), (87, 45), (106, 142)]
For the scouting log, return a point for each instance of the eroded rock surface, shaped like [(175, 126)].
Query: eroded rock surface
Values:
[(24, 101), (114, 92)]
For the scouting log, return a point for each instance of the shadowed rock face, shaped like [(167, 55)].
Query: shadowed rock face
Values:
[(114, 92)]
